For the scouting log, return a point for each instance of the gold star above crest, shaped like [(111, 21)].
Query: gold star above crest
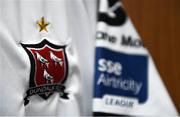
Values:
[(43, 25)]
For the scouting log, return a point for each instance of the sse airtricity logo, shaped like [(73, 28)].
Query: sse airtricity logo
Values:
[(119, 74)]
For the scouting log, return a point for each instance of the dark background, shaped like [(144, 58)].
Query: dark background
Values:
[(158, 23)]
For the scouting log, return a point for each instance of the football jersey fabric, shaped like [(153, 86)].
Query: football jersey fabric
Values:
[(19, 26), (52, 59)]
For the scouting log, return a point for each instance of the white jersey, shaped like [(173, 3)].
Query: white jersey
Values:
[(39, 66), (48, 64)]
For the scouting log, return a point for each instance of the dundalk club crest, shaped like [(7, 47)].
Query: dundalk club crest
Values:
[(49, 69)]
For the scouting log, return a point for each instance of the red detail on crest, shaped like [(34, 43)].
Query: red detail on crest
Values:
[(55, 70)]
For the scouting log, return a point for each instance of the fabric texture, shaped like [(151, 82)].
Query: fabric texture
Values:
[(37, 37)]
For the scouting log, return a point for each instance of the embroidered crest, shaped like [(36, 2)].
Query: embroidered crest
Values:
[(49, 69)]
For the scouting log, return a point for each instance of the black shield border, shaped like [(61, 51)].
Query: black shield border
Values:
[(32, 62)]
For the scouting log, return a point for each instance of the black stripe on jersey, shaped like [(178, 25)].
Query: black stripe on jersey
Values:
[(108, 114)]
